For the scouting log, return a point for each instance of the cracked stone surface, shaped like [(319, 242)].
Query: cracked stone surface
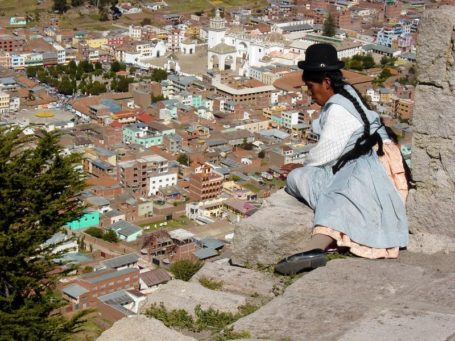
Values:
[(178, 294), (280, 229), (239, 280), (141, 328), (430, 206), (331, 303)]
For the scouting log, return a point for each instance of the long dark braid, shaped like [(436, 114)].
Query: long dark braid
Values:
[(338, 83), (365, 143)]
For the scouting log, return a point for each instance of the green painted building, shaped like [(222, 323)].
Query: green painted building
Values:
[(89, 219), (139, 133)]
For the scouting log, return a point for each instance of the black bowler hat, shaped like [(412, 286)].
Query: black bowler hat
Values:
[(320, 57)]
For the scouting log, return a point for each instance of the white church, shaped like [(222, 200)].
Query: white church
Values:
[(237, 50)]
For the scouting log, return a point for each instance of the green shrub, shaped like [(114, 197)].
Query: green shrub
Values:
[(174, 318), (211, 283), (210, 319), (95, 232), (229, 334), (185, 269), (247, 309), (213, 319), (110, 236)]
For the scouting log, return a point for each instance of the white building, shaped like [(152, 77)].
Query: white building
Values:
[(17, 61), (217, 30), (188, 46), (4, 102), (374, 95), (290, 118), (135, 32), (138, 52), (14, 103), (161, 180), (226, 48), (61, 53), (345, 48)]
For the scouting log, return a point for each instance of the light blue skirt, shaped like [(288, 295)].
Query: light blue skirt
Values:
[(359, 200)]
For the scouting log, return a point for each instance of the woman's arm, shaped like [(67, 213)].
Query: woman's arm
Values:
[(337, 130)]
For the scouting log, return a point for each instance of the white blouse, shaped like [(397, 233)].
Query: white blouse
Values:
[(337, 130)]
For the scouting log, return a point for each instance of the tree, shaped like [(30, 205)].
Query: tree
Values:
[(38, 195), (146, 21), (77, 3), (31, 71), (329, 28), (103, 14), (159, 75), (356, 64), (116, 66), (95, 232), (157, 98), (41, 76), (96, 88), (261, 154), (185, 269), (60, 5), (85, 66), (122, 84), (110, 236), (246, 145), (183, 159), (388, 61), (368, 61), (66, 87), (36, 15)]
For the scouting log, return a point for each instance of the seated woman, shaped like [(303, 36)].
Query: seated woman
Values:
[(358, 201)]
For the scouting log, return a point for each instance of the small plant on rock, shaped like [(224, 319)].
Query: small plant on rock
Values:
[(229, 334), (177, 318), (211, 283)]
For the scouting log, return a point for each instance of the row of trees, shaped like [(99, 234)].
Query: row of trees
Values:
[(68, 79), (71, 78), (63, 5), (73, 70)]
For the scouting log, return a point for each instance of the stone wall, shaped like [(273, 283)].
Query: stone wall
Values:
[(431, 206)]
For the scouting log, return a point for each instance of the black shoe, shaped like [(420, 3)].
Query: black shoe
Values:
[(307, 260)]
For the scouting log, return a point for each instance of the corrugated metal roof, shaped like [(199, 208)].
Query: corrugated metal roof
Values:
[(155, 277), (205, 253), (74, 290), (117, 297), (98, 201), (212, 243), (124, 228), (120, 261), (107, 275)]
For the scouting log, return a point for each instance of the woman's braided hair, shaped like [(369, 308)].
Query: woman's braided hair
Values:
[(366, 142)]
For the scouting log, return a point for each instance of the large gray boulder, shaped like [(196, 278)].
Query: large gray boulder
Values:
[(141, 328), (178, 294), (279, 229), (334, 302), (431, 208), (239, 280)]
